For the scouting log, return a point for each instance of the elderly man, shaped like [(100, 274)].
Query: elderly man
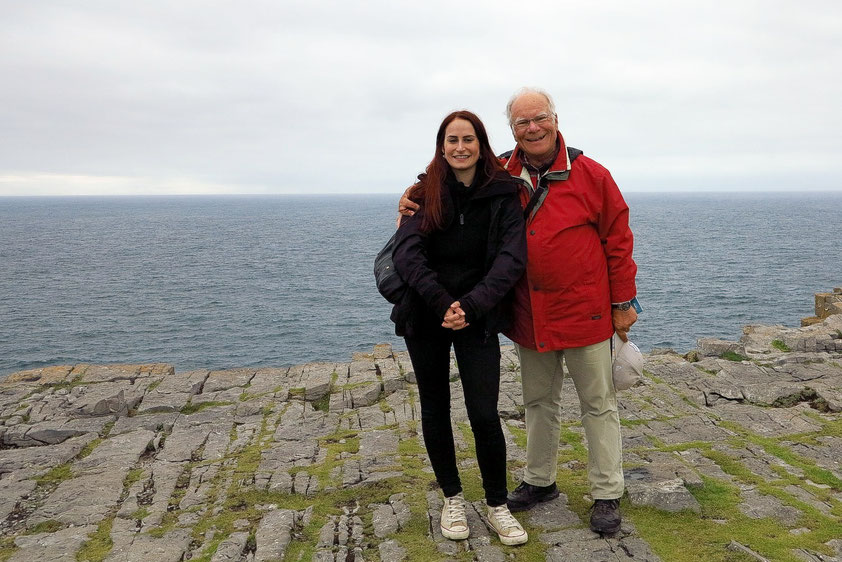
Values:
[(578, 290)]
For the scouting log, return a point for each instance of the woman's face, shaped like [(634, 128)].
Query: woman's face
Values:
[(461, 147)]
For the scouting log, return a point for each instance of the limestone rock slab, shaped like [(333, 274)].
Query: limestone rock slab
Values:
[(60, 546), (119, 453), (12, 490), (667, 495), (552, 515), (156, 421), (169, 548), (118, 372), (756, 506), (83, 500), (224, 380), (316, 379), (53, 431), (231, 549), (377, 443), (392, 550), (712, 347), (274, 533), (269, 380), (40, 459)]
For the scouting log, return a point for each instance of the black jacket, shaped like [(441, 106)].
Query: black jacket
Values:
[(476, 258)]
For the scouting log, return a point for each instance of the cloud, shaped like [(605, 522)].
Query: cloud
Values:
[(324, 97)]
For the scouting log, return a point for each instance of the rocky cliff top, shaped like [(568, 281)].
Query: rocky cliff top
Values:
[(730, 453)]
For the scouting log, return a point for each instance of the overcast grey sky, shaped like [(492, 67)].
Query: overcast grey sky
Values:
[(103, 97)]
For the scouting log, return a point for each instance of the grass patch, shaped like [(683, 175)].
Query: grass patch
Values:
[(61, 385), (780, 345), (7, 548), (89, 448), (55, 475), (141, 513), (338, 446), (323, 403), (720, 522), (773, 447), (50, 526), (575, 441), (353, 385), (519, 435), (689, 401), (632, 423), (667, 534), (653, 377), (191, 408), (411, 447), (99, 543), (297, 392), (134, 475), (733, 356)]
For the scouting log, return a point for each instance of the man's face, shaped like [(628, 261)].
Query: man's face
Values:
[(537, 140)]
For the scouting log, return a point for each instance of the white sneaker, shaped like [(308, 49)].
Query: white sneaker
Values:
[(454, 522), (508, 529)]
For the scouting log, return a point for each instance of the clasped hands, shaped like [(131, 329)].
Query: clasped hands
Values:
[(454, 318)]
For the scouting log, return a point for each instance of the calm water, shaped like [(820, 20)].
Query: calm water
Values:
[(218, 282)]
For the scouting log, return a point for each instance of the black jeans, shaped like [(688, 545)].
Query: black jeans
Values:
[(478, 359)]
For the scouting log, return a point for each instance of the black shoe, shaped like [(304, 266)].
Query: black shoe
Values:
[(605, 516), (526, 496)]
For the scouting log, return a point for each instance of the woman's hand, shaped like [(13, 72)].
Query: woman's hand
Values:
[(454, 318)]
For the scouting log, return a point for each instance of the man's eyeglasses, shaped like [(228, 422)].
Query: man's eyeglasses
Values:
[(540, 119)]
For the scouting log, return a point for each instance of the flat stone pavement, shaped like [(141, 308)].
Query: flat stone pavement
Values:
[(326, 461)]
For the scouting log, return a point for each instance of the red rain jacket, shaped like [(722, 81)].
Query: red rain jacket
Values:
[(579, 256)]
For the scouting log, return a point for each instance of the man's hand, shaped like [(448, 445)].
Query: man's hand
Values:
[(454, 318), (407, 206), (623, 320)]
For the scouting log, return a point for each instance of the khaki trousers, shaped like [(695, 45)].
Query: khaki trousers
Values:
[(542, 377)]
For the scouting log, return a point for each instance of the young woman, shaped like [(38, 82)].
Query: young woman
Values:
[(461, 254)]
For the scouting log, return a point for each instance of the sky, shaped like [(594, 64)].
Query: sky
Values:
[(321, 97)]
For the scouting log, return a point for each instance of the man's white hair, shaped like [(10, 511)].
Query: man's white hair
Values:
[(528, 90)]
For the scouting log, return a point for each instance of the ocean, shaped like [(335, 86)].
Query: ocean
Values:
[(216, 282)]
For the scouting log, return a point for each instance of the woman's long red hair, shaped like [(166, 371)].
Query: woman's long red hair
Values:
[(429, 190)]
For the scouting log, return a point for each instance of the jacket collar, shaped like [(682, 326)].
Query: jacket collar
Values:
[(561, 164)]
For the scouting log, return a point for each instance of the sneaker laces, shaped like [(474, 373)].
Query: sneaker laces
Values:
[(455, 508), (503, 516)]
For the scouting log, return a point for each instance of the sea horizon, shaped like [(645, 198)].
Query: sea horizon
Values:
[(399, 193), (229, 280)]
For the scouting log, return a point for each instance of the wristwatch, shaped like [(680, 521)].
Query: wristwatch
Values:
[(621, 305)]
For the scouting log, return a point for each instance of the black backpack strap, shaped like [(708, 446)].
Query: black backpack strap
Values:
[(572, 154), (536, 196)]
